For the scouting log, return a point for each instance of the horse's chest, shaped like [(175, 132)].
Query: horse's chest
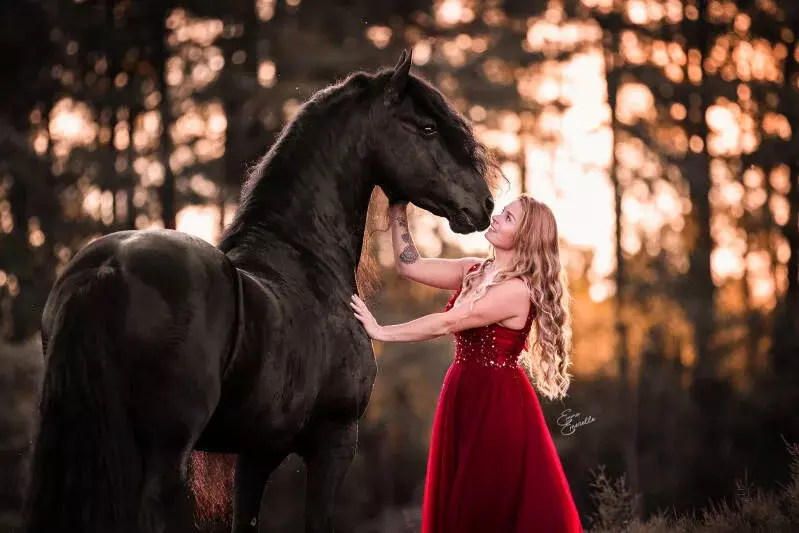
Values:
[(319, 361), (350, 373)]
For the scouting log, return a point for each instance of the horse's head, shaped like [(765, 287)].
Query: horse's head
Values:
[(426, 153)]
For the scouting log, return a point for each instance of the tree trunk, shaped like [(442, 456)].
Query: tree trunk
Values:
[(20, 317), (627, 384), (697, 173), (159, 58), (790, 101), (708, 391)]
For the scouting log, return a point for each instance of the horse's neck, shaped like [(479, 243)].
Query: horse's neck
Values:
[(320, 214)]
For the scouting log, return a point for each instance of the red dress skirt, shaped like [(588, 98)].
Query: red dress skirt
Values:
[(493, 467)]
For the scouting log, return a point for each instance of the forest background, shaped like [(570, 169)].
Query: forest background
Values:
[(662, 133)]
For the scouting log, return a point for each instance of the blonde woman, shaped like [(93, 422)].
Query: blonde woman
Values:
[(493, 466)]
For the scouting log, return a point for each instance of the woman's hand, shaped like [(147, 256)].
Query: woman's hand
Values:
[(362, 313)]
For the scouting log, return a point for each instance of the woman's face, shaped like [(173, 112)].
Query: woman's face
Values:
[(502, 232)]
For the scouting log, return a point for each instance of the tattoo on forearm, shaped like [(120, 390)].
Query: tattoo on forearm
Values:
[(409, 254)]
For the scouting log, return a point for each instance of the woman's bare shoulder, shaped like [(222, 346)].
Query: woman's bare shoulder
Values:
[(520, 290), (517, 298), (516, 284)]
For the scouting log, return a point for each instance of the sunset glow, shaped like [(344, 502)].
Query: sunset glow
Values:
[(662, 135), (569, 171)]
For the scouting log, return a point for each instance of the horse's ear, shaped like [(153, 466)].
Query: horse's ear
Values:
[(399, 79)]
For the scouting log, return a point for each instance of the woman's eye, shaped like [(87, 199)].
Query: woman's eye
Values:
[(428, 130)]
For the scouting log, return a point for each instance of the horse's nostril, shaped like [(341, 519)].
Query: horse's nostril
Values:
[(490, 205)]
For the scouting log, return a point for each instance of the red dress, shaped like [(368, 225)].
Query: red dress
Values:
[(493, 467)]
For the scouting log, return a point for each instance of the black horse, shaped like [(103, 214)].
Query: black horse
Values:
[(158, 343)]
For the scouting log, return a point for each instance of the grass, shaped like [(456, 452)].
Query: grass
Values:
[(752, 511)]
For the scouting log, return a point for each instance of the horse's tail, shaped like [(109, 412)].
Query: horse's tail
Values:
[(86, 469)]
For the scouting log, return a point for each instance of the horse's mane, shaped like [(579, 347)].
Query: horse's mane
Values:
[(354, 89)]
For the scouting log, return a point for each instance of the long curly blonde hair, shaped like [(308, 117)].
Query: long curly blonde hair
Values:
[(547, 358)]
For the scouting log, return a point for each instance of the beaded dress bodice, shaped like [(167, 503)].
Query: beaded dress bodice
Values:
[(493, 345)]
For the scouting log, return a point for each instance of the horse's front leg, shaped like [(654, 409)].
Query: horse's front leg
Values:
[(252, 473), (327, 462)]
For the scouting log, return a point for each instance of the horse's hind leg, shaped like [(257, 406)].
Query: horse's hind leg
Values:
[(165, 504), (166, 439), (327, 460), (169, 425), (252, 473)]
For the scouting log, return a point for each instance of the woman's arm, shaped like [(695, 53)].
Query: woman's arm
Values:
[(499, 303), (421, 329), (437, 272), (405, 252)]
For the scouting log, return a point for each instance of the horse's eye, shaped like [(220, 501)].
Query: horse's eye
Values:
[(428, 130)]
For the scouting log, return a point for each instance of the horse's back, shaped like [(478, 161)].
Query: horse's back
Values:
[(148, 253), (162, 268)]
